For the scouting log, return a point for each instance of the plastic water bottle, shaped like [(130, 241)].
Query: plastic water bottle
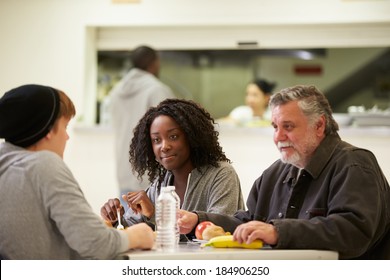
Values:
[(166, 221), (177, 198)]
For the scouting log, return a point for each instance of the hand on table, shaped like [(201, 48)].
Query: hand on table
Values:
[(140, 236), (250, 231)]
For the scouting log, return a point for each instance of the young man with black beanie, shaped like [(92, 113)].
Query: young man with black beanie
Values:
[(44, 214)]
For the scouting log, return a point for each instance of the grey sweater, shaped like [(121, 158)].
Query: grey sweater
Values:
[(210, 189), (44, 214), (130, 99)]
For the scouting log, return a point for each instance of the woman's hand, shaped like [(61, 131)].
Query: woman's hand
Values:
[(139, 202), (109, 210)]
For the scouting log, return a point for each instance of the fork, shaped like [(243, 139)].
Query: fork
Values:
[(120, 226)]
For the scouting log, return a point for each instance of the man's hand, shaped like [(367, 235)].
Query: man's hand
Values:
[(187, 221), (253, 230), (140, 236)]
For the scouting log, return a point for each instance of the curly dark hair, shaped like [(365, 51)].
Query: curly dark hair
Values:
[(197, 124)]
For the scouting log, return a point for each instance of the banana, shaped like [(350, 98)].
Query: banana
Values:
[(226, 241)]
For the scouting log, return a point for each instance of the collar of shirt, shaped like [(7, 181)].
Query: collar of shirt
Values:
[(317, 163)]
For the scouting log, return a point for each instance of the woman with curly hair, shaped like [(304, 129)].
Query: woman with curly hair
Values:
[(175, 143)]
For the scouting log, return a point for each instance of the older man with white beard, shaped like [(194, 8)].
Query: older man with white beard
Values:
[(323, 193)]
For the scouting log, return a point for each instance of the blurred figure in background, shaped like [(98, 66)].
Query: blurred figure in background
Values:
[(130, 98), (255, 112), (44, 214), (176, 144)]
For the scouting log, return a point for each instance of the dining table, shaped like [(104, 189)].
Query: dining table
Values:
[(195, 251)]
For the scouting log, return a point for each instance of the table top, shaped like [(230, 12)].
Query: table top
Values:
[(193, 251)]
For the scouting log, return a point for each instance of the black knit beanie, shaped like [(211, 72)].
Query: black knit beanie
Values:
[(27, 114)]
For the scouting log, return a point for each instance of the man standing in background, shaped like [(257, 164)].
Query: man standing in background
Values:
[(138, 90)]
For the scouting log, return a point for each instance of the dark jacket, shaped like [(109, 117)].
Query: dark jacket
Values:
[(340, 202)]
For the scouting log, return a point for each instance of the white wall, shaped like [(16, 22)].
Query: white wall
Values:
[(251, 150), (44, 41)]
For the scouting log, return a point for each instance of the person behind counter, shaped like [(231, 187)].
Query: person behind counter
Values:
[(44, 214), (255, 112), (176, 143), (322, 194)]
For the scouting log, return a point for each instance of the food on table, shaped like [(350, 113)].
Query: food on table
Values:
[(200, 228), (226, 241), (107, 223), (213, 231)]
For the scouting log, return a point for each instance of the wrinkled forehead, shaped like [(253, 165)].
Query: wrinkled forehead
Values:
[(287, 111)]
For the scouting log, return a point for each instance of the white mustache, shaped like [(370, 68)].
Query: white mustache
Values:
[(284, 144)]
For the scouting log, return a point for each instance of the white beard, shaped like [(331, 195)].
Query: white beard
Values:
[(292, 159), (299, 159)]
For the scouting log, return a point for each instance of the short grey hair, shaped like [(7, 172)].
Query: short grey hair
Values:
[(311, 101)]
